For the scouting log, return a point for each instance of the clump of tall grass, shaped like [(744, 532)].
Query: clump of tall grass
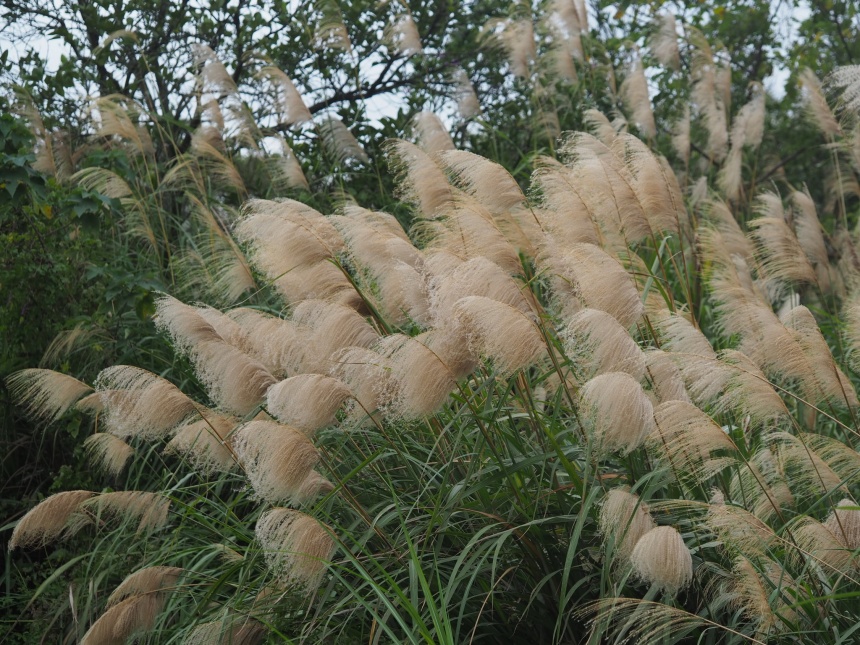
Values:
[(518, 419)]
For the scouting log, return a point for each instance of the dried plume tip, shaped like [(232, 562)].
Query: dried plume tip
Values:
[(307, 402), (844, 523), (661, 558), (145, 581), (134, 615), (206, 442), (597, 343), (45, 394), (616, 411), (296, 546), (56, 517), (277, 459), (109, 452), (149, 510), (624, 518)]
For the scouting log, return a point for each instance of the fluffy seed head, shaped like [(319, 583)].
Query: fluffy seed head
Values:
[(56, 517), (617, 412), (45, 394), (205, 442), (145, 581), (134, 615), (277, 459), (661, 558), (296, 546), (597, 343), (844, 523), (307, 402), (624, 518), (109, 452)]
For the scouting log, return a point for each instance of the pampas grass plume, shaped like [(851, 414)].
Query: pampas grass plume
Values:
[(661, 558), (45, 394), (625, 518), (297, 547), (145, 581), (56, 517), (307, 402), (109, 452), (616, 411)]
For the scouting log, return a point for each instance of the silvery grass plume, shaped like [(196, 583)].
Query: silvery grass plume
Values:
[(616, 412), (421, 181), (624, 519), (307, 402), (816, 106), (468, 104), (431, 133), (517, 38), (847, 79), (290, 106), (330, 31), (57, 517), (598, 344), (708, 95), (285, 169), (236, 630), (277, 460), (339, 142), (334, 326), (296, 546), (110, 453), (234, 380), (681, 136), (402, 35), (206, 442), (812, 238), (634, 92), (584, 276), (740, 531), (133, 616), (661, 558), (46, 395), (664, 42)]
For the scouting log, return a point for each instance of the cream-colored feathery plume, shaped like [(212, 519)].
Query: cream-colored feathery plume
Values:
[(617, 413), (816, 105), (330, 31), (469, 230), (431, 133), (294, 245), (692, 445), (561, 54), (634, 93), (661, 558), (296, 546), (517, 38), (811, 235), (665, 378), (145, 581), (117, 116), (227, 329), (468, 104), (334, 327), (747, 390), (138, 403), (402, 34), (214, 77), (780, 255), (215, 164), (624, 518), (149, 510), (476, 277), (366, 373), (285, 169), (585, 276), (500, 332), (111, 454), (339, 142), (307, 402), (844, 523), (185, 325), (655, 185), (277, 459), (847, 79), (420, 378), (597, 344), (681, 135), (823, 381), (730, 179), (844, 460), (807, 472), (706, 95), (228, 631), (677, 334), (282, 346), (564, 214), (600, 125), (567, 25), (761, 485), (291, 107), (314, 486), (205, 442), (823, 545), (752, 116), (45, 394), (374, 239), (765, 594), (489, 183), (54, 518), (133, 616), (421, 182), (739, 530), (605, 184), (664, 43), (719, 215)]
